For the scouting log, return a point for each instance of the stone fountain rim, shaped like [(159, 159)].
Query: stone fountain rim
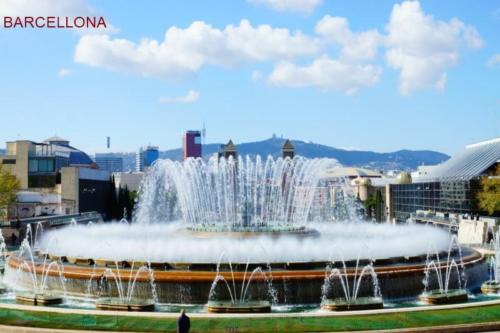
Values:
[(207, 276)]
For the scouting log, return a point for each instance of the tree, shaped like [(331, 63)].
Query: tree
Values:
[(112, 210), (369, 204), (379, 206), (129, 202), (9, 185), (489, 194)]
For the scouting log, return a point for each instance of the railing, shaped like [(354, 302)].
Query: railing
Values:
[(449, 222), (54, 220)]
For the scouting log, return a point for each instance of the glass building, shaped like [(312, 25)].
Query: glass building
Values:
[(144, 158), (46, 159), (449, 187), (109, 163)]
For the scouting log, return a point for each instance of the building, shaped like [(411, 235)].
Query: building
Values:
[(228, 150), (151, 154), (109, 163), (191, 145), (448, 188), (130, 180), (355, 183), (288, 150), (139, 160), (29, 204), (53, 172), (144, 158)]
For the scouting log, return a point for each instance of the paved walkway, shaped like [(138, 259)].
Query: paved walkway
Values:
[(484, 327)]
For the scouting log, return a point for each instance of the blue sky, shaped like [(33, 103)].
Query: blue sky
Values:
[(370, 75)]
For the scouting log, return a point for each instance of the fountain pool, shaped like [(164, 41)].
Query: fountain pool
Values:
[(198, 223)]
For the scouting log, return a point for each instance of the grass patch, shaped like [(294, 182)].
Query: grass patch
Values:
[(45, 319)]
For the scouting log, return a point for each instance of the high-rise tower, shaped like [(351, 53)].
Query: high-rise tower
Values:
[(191, 144)]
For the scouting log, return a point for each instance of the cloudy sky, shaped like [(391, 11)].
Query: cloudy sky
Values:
[(371, 75)]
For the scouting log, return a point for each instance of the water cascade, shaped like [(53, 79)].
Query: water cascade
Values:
[(341, 289)]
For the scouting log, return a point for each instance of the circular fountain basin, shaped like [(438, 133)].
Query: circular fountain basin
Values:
[(243, 307), (436, 297), (80, 261), (117, 304), (490, 287), (38, 298), (294, 282), (361, 303)]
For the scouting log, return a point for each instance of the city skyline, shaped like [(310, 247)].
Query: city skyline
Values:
[(320, 71)]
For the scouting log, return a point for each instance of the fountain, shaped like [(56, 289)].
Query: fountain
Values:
[(124, 300), (444, 293), (280, 214), (3, 258), (38, 293), (239, 300), (34, 237), (492, 286), (350, 298)]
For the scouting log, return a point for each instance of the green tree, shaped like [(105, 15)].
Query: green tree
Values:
[(369, 204), (112, 211), (129, 202), (489, 195), (122, 203), (379, 206), (9, 185)]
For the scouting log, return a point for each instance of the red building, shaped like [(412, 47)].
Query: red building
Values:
[(191, 144)]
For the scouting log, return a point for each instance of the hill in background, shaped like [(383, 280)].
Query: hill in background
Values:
[(398, 160)]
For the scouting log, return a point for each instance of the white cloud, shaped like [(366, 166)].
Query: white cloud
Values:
[(354, 46), (494, 61), (186, 50), (300, 6), (423, 48), (419, 46), (327, 74), (191, 97), (64, 72)]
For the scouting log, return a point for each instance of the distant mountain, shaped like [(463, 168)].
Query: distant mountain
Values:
[(400, 160)]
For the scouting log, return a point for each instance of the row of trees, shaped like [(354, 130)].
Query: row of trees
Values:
[(121, 202), (9, 185)]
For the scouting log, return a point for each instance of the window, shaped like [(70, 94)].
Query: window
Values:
[(33, 166), (41, 165), (41, 181), (197, 140), (9, 161), (45, 165)]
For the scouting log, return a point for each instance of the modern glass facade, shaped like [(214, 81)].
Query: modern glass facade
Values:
[(146, 158), (44, 172), (109, 163), (150, 156), (442, 196)]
